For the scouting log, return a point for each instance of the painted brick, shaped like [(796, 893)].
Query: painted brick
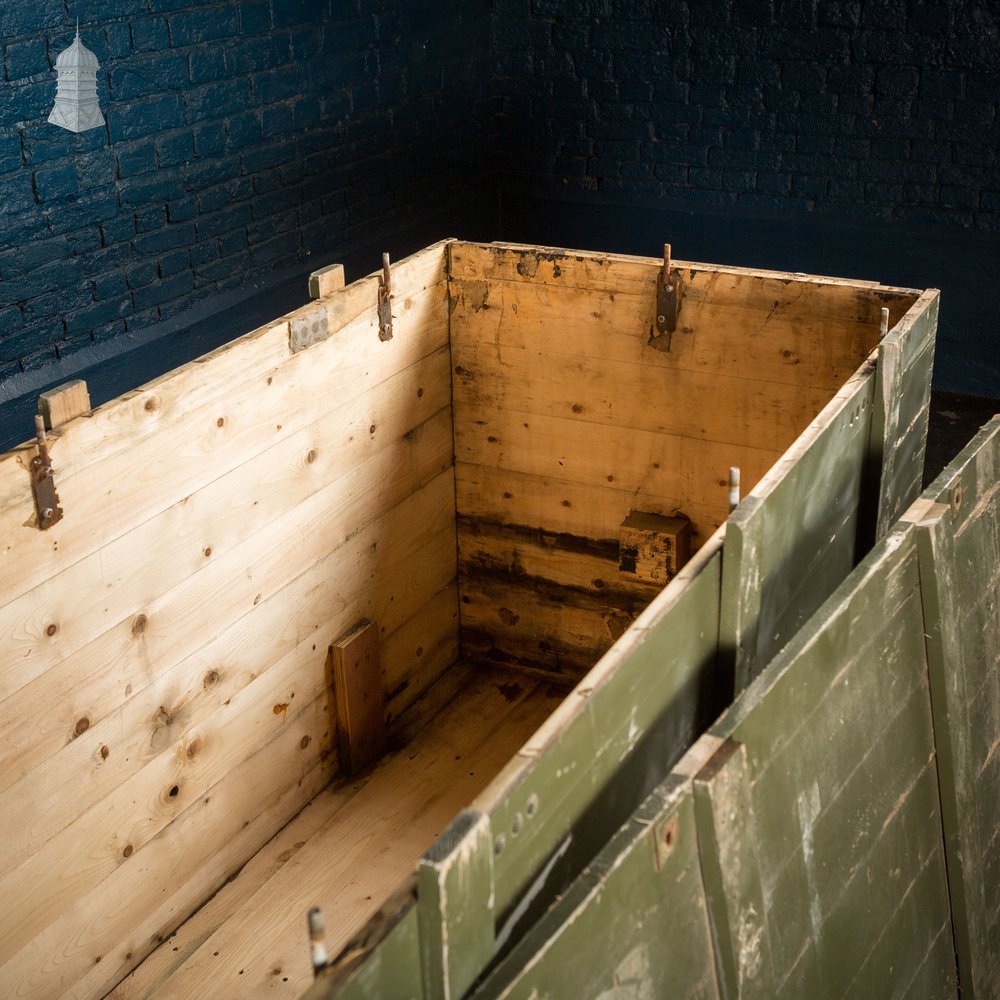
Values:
[(118, 40), (194, 27), (216, 100), (175, 148), (136, 158), (55, 182), (206, 65), (84, 320), (168, 238), (16, 194), (11, 321), (23, 59), (108, 286), (138, 120), (18, 20), (146, 76), (255, 17), (25, 101), (163, 291), (149, 34), (174, 262)]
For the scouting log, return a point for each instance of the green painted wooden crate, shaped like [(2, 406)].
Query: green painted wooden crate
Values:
[(835, 833), (508, 887)]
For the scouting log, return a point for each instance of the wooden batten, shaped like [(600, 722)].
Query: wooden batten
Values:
[(60, 405), (358, 697)]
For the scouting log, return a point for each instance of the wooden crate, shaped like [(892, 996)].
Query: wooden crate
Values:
[(172, 645), (834, 834)]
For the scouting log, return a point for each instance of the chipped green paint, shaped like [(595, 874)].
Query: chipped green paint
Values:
[(958, 527), (633, 926)]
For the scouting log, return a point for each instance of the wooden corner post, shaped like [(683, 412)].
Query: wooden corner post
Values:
[(455, 903)]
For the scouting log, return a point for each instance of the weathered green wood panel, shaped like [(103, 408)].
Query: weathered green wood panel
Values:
[(455, 896), (794, 537), (608, 745), (633, 925), (727, 835), (902, 404), (383, 964), (959, 539), (841, 760)]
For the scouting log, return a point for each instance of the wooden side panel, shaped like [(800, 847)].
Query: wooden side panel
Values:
[(959, 535), (633, 924), (384, 966), (841, 763), (569, 418), (164, 646), (794, 538), (902, 404), (603, 750)]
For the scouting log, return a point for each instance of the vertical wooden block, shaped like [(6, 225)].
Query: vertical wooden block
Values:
[(727, 844), (63, 403), (326, 280), (653, 547), (359, 697), (455, 907)]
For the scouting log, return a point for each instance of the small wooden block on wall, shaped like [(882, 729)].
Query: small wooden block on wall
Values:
[(653, 547), (66, 401), (326, 280), (359, 697)]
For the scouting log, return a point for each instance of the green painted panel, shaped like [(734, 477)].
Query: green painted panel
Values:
[(902, 403), (794, 538), (590, 772), (633, 925), (727, 837), (383, 966), (840, 752), (959, 540), (455, 906)]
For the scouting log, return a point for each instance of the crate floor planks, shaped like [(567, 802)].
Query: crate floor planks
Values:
[(463, 484)]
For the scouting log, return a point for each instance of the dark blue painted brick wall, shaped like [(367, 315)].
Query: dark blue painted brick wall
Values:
[(242, 136), (873, 109)]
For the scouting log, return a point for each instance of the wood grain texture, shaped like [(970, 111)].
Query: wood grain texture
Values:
[(177, 629), (359, 697), (407, 800), (60, 405), (654, 688)]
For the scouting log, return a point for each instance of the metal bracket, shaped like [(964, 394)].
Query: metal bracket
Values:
[(385, 301), (43, 486), (669, 293)]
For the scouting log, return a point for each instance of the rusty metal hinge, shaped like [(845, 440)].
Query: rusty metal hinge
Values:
[(43, 486), (669, 293), (385, 301)]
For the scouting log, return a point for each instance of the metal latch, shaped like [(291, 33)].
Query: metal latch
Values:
[(43, 486), (385, 301), (669, 293)]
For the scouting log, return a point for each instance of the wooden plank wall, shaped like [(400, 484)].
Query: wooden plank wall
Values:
[(959, 536), (164, 689), (842, 785), (566, 420)]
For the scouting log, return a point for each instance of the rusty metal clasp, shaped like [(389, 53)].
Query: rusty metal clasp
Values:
[(669, 293), (43, 486), (385, 301)]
